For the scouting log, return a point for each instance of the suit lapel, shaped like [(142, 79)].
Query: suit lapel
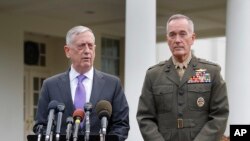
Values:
[(98, 83), (64, 86)]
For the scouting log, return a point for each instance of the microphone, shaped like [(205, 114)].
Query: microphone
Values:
[(104, 111), (52, 106), (69, 128), (38, 129), (78, 116), (88, 110), (60, 110)]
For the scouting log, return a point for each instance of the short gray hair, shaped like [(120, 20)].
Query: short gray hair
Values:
[(75, 31), (180, 16)]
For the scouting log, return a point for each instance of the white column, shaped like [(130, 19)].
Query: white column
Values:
[(237, 61), (140, 53), (11, 82)]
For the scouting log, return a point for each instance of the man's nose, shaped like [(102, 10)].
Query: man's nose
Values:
[(178, 38), (86, 50)]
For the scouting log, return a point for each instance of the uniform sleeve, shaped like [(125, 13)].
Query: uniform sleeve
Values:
[(218, 113), (146, 113)]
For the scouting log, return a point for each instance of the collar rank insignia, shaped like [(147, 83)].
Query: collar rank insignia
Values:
[(201, 76)]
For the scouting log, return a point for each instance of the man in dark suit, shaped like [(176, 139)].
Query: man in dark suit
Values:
[(183, 98), (80, 49)]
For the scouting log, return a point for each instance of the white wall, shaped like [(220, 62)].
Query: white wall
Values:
[(162, 52), (140, 54), (11, 82), (237, 61)]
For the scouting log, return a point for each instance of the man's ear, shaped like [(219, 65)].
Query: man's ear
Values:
[(66, 50), (194, 36), (166, 37)]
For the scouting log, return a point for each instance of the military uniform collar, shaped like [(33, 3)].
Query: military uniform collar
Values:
[(183, 64), (193, 62)]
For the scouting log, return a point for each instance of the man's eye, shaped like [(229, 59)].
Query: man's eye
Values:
[(80, 46), (90, 45), (171, 35), (183, 34)]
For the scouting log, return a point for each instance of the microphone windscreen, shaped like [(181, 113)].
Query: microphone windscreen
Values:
[(79, 113), (38, 126), (88, 107), (60, 107), (69, 120), (53, 104), (103, 108)]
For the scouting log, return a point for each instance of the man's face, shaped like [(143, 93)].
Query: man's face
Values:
[(180, 38), (81, 51)]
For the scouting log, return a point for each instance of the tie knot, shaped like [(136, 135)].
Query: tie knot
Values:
[(81, 78), (180, 66)]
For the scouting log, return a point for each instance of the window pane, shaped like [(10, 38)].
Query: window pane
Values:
[(41, 82), (35, 84), (42, 61), (35, 100), (35, 109), (42, 48), (110, 56)]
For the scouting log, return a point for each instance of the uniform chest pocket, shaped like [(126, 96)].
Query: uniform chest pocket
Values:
[(199, 96), (163, 97)]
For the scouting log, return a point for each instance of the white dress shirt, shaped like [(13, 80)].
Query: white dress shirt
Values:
[(87, 82)]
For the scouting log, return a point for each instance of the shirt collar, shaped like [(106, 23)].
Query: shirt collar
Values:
[(184, 64), (73, 73)]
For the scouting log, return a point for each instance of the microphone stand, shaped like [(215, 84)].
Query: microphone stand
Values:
[(40, 131), (57, 137), (69, 128), (60, 110), (102, 136), (39, 137), (51, 136), (87, 131), (51, 133), (87, 109)]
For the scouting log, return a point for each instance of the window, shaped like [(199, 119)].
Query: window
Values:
[(34, 53), (37, 84), (110, 56)]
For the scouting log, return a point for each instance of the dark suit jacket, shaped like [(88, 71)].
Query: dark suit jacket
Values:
[(199, 106), (105, 87)]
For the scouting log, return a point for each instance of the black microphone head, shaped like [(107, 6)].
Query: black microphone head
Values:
[(78, 113), (88, 107), (38, 127), (69, 120), (60, 107), (103, 109), (53, 104)]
